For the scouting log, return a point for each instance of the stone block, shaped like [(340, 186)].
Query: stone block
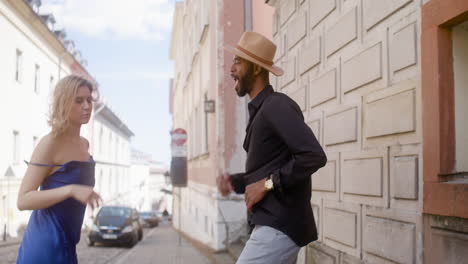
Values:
[(315, 126), (340, 226), (404, 177), (287, 8), (403, 48), (448, 239), (316, 212), (341, 127), (278, 40), (341, 33), (300, 97), (325, 178), (319, 253), (310, 55), (362, 69), (289, 67), (391, 115), (376, 11), (389, 239), (319, 9), (322, 89), (450, 247), (362, 176), (348, 259), (297, 29)]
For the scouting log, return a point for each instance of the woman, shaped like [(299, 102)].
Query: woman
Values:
[(64, 170)]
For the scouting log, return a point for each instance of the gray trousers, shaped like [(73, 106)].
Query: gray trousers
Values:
[(268, 246)]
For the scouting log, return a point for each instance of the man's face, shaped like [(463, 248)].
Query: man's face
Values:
[(242, 71)]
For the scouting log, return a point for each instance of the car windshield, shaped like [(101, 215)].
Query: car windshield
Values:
[(114, 211)]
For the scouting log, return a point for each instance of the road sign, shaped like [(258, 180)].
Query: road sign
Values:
[(179, 136)]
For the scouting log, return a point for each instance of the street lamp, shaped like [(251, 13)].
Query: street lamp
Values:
[(9, 173)]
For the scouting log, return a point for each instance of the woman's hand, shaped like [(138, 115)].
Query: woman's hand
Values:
[(85, 195)]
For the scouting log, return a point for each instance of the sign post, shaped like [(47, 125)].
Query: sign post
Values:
[(178, 170)]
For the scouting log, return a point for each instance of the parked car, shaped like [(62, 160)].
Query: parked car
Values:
[(116, 225), (150, 218)]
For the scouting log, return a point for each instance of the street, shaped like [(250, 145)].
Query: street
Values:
[(159, 245)]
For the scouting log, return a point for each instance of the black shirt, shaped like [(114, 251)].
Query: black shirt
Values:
[(281, 146)]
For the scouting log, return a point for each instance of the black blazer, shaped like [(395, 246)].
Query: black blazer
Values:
[(280, 145)]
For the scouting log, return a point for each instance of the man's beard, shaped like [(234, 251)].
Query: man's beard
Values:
[(245, 83)]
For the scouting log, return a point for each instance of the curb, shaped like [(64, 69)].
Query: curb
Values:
[(10, 243)]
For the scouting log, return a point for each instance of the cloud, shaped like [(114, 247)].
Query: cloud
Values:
[(142, 75), (119, 19)]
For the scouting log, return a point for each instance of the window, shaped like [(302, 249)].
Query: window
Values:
[(191, 138), (37, 70), (204, 129), (116, 148), (16, 147), (100, 140), (196, 128), (51, 83), (19, 65), (110, 144), (460, 68)]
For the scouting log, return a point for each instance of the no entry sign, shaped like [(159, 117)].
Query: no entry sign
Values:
[(179, 136)]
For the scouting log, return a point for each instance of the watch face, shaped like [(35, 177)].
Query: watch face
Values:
[(269, 184)]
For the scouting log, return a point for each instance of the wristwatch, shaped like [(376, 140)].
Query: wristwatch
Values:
[(269, 184)]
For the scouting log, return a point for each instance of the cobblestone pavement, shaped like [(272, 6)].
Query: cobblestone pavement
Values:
[(159, 245)]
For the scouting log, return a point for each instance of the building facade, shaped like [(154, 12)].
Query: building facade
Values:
[(201, 29), (33, 55), (380, 85), (111, 151), (150, 188)]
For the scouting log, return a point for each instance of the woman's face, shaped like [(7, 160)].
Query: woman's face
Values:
[(82, 106)]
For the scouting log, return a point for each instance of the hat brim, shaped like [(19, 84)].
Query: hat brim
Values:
[(271, 68)]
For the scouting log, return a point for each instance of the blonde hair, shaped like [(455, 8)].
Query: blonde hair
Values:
[(63, 96)]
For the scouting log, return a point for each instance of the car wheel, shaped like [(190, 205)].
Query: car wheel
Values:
[(140, 235), (132, 242)]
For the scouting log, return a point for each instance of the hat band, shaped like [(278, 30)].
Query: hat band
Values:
[(267, 62)]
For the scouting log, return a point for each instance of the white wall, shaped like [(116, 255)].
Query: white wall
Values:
[(22, 109)]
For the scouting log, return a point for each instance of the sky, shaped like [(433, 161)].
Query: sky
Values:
[(126, 44)]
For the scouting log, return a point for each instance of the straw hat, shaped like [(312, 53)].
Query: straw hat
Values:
[(256, 48)]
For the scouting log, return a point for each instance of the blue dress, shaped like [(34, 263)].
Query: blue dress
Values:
[(52, 233)]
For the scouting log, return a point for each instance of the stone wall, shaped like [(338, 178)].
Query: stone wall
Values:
[(353, 66)]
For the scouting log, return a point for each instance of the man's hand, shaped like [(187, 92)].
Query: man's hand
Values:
[(224, 184), (254, 193)]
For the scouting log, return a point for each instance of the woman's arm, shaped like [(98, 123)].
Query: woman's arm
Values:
[(29, 198)]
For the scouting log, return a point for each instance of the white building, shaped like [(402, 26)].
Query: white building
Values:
[(33, 56), (110, 146), (150, 188)]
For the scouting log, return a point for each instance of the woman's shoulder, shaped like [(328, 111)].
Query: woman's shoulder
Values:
[(47, 142), (43, 152)]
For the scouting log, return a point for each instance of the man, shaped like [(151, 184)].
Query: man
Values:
[(282, 153)]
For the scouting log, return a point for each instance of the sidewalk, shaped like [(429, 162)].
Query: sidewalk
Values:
[(10, 241), (161, 245)]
